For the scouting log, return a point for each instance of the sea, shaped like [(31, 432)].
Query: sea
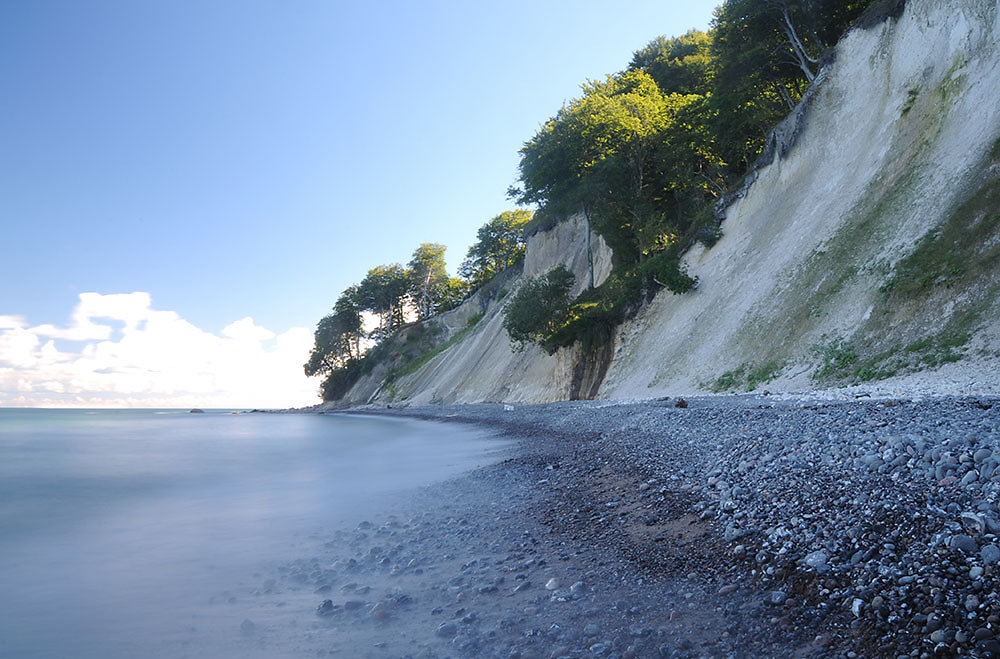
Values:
[(128, 533)]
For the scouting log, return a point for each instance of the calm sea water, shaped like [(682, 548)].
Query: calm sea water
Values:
[(120, 530)]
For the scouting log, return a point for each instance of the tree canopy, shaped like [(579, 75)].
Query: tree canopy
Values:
[(645, 153), (681, 65), (429, 279), (337, 339), (383, 292), (628, 155), (764, 54), (538, 307), (499, 245)]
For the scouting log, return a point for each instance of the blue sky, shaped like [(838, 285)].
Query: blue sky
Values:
[(252, 159)]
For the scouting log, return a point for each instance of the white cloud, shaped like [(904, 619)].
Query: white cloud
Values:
[(12, 322), (159, 360), (128, 307)]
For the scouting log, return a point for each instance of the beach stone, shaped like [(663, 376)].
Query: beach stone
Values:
[(964, 543), (381, 612), (934, 622), (817, 561), (777, 597), (552, 584), (990, 647), (325, 608), (447, 630), (247, 627), (972, 522), (990, 554), (942, 636)]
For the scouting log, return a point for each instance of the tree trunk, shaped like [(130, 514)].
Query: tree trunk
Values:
[(784, 94), (801, 56), (423, 296)]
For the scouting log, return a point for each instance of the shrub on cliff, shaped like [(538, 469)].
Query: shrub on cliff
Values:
[(538, 307)]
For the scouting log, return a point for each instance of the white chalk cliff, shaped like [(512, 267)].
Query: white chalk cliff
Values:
[(897, 132)]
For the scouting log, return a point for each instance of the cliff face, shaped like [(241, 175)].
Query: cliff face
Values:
[(895, 147), (894, 140), (482, 366)]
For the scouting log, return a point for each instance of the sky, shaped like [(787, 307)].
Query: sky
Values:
[(236, 165)]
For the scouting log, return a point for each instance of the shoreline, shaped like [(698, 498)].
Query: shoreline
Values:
[(496, 563), (789, 527)]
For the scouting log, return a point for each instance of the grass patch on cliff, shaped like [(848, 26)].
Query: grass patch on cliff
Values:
[(413, 365), (964, 249), (840, 361), (747, 377)]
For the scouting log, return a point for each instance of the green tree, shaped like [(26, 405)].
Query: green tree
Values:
[(456, 291), (538, 307), (383, 292), (499, 245), (627, 155), (681, 65), (765, 53), (429, 281), (591, 156), (337, 339)]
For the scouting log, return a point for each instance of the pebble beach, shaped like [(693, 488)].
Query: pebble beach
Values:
[(729, 526)]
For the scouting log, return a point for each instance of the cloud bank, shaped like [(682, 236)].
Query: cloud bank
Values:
[(118, 351)]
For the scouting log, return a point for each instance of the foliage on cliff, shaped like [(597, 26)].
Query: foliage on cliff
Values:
[(539, 307), (499, 245), (359, 332), (646, 152)]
